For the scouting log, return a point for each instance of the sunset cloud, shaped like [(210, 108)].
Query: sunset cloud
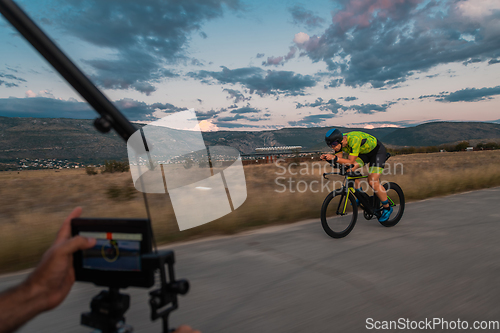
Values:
[(207, 126)]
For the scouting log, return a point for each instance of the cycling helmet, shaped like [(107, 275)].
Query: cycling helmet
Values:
[(333, 137)]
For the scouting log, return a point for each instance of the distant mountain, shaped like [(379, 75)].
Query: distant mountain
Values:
[(47, 138), (434, 134), (78, 140), (308, 138)]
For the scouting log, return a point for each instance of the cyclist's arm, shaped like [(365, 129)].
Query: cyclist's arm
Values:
[(351, 160), (330, 157), (348, 161), (355, 146)]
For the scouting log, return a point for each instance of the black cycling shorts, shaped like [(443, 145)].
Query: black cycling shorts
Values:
[(376, 158)]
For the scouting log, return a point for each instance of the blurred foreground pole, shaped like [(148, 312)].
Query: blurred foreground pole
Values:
[(110, 116)]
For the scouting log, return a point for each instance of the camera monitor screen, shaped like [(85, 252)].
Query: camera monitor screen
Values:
[(116, 259), (114, 251)]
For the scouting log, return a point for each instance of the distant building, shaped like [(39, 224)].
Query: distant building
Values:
[(279, 149), (273, 152), (469, 149)]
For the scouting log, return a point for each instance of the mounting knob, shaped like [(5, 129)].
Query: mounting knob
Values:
[(102, 125), (180, 286)]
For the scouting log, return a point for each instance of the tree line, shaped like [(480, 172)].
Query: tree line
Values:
[(434, 149)]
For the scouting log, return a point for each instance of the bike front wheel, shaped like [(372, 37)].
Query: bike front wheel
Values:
[(338, 214)]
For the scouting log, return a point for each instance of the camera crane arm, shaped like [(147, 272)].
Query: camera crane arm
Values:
[(110, 118)]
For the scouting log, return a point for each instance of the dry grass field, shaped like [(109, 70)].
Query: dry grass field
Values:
[(34, 203)]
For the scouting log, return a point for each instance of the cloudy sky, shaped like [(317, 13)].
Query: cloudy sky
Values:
[(252, 64)]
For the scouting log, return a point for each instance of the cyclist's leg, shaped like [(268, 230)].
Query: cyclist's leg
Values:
[(358, 165), (377, 164), (374, 181), (357, 183)]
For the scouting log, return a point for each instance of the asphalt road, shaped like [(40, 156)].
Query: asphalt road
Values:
[(441, 261)]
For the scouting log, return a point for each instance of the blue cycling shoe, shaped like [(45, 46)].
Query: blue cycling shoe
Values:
[(357, 202), (385, 214)]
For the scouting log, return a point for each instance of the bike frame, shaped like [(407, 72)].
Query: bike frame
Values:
[(348, 188)]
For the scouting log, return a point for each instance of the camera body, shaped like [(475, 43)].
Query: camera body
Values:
[(117, 258), (121, 258)]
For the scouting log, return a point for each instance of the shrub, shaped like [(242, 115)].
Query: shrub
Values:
[(203, 164), (115, 166), (413, 150), (90, 171), (124, 193), (188, 163), (462, 146), (491, 145)]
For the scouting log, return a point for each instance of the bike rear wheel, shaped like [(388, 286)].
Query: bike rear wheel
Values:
[(396, 199), (337, 214)]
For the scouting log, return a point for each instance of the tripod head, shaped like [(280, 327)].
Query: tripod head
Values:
[(109, 306), (107, 312)]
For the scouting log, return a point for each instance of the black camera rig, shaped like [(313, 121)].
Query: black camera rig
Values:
[(107, 308)]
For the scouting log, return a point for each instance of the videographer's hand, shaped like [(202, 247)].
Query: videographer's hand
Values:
[(185, 329), (50, 282), (54, 275)]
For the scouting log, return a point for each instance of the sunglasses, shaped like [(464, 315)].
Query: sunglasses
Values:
[(334, 143)]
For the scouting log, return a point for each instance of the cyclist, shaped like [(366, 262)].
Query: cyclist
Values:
[(362, 149)]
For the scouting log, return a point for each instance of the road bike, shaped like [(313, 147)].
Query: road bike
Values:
[(339, 211)]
